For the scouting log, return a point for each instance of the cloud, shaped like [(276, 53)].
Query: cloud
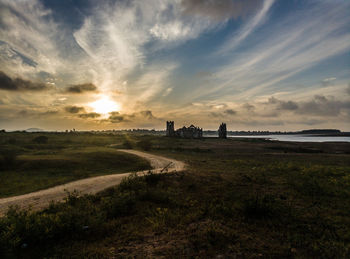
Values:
[(167, 91), (142, 116), (33, 38), (147, 114), (35, 113), (319, 105), (74, 109), (323, 106), (283, 105), (220, 9), (152, 84), (90, 115), (18, 84), (248, 28), (230, 112), (81, 88), (248, 107), (9, 55), (290, 105), (116, 117), (348, 89), (122, 37), (328, 81), (300, 41)]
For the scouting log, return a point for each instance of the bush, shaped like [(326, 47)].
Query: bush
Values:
[(145, 144), (127, 144), (260, 207), (12, 141), (41, 140), (8, 158)]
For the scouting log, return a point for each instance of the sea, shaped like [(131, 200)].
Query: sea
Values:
[(293, 138)]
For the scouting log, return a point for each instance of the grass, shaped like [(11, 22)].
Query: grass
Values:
[(25, 168), (236, 199)]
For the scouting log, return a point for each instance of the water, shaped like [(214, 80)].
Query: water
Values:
[(296, 138)]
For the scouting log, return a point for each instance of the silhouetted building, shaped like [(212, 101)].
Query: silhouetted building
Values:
[(170, 132), (184, 132), (222, 131)]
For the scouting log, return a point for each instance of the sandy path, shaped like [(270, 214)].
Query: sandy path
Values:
[(41, 199)]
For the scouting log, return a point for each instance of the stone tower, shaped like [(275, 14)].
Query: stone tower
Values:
[(170, 131), (222, 131)]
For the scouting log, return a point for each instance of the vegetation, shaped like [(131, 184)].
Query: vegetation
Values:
[(41, 139), (238, 198), (145, 144), (25, 167)]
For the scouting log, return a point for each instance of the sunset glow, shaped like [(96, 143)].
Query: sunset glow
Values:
[(105, 105), (254, 64)]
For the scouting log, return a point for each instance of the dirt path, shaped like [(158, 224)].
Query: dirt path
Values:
[(41, 199)]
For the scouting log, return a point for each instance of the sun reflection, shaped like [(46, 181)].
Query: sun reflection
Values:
[(105, 105)]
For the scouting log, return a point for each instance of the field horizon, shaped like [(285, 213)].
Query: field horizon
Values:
[(229, 188)]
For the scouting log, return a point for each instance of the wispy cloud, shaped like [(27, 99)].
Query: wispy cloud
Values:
[(186, 59), (152, 84), (114, 36), (299, 42), (256, 21), (220, 10)]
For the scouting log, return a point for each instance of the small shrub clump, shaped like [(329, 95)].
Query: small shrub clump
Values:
[(8, 158), (261, 207), (41, 140), (145, 144), (127, 144)]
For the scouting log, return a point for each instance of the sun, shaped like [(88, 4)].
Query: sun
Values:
[(104, 105)]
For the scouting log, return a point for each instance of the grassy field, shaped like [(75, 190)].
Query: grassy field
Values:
[(238, 198), (27, 166)]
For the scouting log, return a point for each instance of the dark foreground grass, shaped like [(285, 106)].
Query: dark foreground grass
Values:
[(27, 166), (236, 199)]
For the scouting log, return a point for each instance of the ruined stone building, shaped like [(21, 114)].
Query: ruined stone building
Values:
[(170, 131), (184, 132), (222, 131)]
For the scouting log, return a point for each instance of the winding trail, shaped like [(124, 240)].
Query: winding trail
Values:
[(41, 199)]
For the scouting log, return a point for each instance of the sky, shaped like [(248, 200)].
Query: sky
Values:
[(118, 64)]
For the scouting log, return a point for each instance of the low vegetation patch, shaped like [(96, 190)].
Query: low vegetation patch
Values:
[(32, 171), (240, 199), (41, 140)]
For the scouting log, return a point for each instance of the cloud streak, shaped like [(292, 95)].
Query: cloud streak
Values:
[(288, 48), (19, 84), (81, 88), (248, 28), (74, 109), (90, 115), (220, 10), (144, 116)]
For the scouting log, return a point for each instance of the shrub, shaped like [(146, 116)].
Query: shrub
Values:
[(41, 140), (127, 144), (12, 141), (145, 144), (152, 179), (8, 157), (118, 205), (260, 207)]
